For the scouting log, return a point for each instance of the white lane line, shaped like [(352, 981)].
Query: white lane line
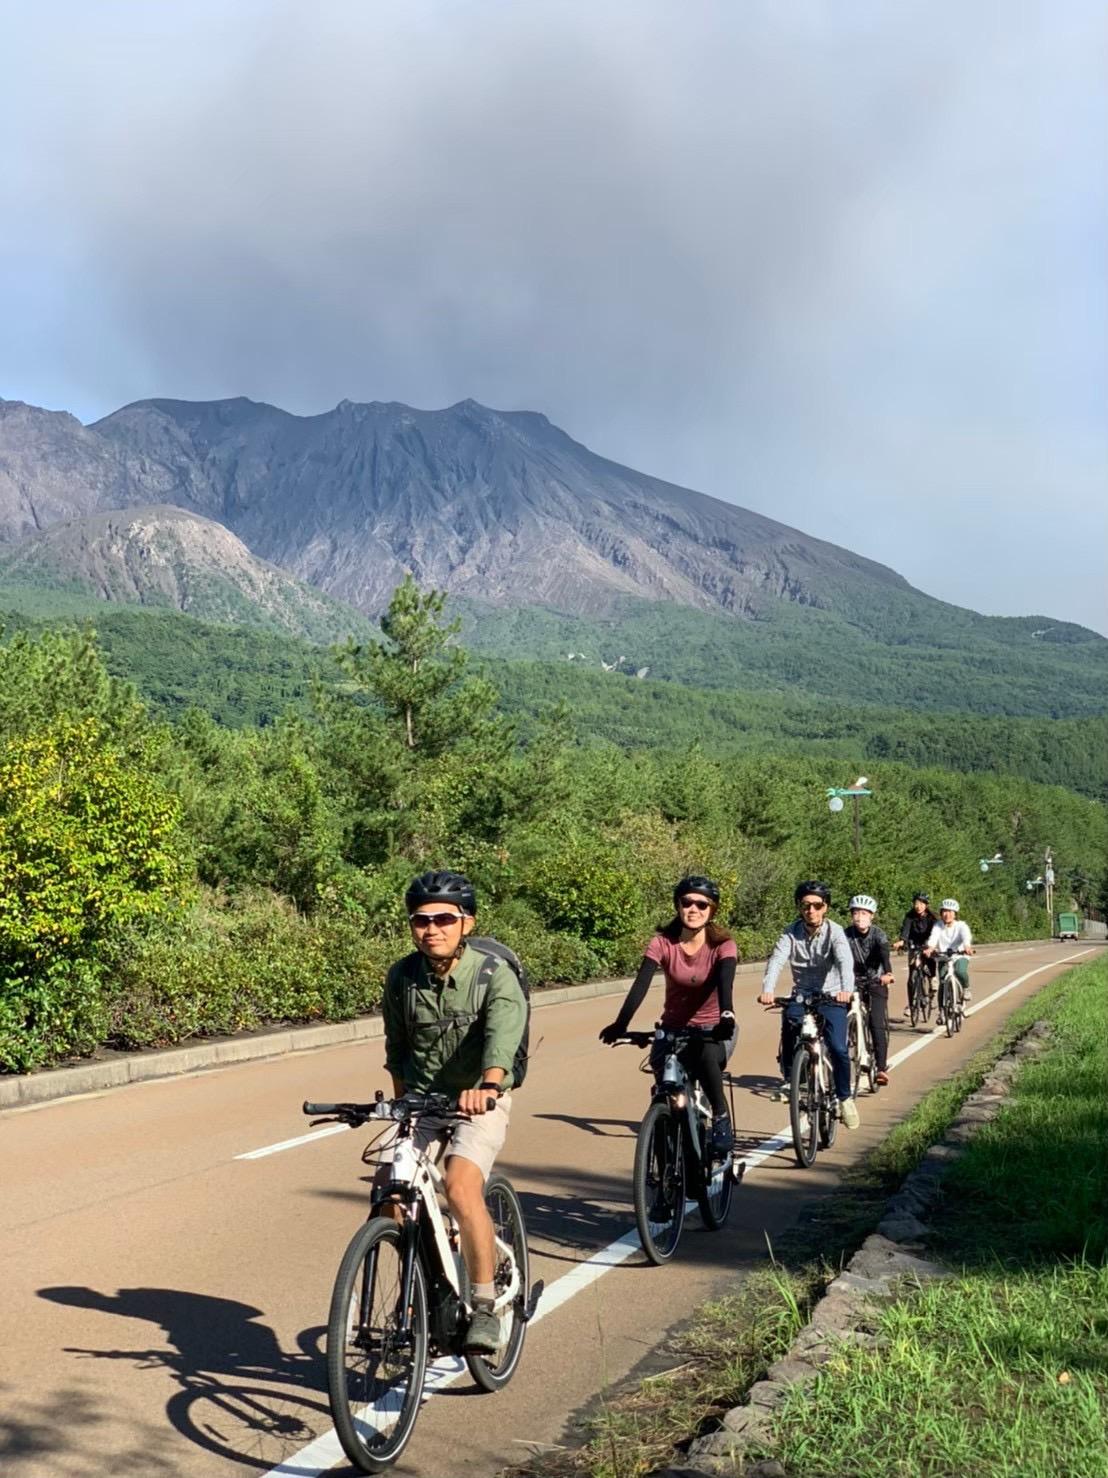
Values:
[(290, 1144), (325, 1452), (339, 1128)]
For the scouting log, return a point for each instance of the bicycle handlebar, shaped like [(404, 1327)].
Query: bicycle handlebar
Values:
[(672, 1033), (411, 1105)]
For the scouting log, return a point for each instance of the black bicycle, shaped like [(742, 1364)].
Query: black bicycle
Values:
[(919, 988), (402, 1294), (673, 1151)]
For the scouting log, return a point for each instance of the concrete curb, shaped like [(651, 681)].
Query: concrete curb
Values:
[(888, 1259), (200, 1056), (21, 1090)]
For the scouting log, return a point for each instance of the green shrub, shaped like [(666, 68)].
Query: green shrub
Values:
[(218, 967), (89, 842)]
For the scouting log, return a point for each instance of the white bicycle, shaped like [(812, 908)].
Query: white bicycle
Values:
[(402, 1293), (863, 1054)]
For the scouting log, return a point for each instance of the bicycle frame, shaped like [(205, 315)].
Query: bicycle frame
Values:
[(417, 1186), (859, 1014), (810, 1037), (675, 1085), (948, 975)]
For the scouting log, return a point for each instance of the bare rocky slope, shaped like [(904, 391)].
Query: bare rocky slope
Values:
[(167, 557), (498, 506)]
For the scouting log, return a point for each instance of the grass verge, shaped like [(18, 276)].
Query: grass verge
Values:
[(730, 1343), (1003, 1371)]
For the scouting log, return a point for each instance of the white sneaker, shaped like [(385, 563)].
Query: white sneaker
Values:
[(781, 1093), (848, 1112)]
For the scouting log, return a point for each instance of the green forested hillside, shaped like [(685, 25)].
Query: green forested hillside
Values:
[(246, 678), (164, 879), (896, 648)]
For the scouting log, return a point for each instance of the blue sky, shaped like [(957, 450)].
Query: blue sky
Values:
[(842, 263)]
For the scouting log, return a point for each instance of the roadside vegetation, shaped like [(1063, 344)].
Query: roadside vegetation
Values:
[(1005, 1369), (161, 880), (1002, 1373)]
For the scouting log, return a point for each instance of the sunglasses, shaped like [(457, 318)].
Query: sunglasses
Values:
[(819, 907), (434, 920), (700, 903)]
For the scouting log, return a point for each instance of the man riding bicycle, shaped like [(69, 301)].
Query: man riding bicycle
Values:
[(818, 955), (454, 1017), (915, 931), (873, 974), (952, 935)]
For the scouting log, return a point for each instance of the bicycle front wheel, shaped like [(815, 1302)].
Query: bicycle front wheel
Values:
[(716, 1186), (804, 1103), (659, 1187), (949, 1011), (376, 1349), (828, 1109), (491, 1372)]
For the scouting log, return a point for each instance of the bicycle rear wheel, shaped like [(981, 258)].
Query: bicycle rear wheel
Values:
[(491, 1372), (828, 1112), (804, 1107), (375, 1367), (871, 1056), (659, 1182)]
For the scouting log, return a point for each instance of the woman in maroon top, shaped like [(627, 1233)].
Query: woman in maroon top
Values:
[(698, 960)]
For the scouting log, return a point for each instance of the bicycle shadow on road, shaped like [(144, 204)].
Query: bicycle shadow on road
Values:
[(596, 1126), (237, 1390)]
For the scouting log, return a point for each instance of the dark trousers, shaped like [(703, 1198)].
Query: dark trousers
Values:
[(834, 1017), (877, 1003)]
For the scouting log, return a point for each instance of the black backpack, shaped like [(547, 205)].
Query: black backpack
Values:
[(493, 952)]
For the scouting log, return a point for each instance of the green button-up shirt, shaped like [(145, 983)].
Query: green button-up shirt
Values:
[(440, 1053)]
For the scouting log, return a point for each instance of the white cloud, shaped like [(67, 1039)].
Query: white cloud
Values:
[(838, 262)]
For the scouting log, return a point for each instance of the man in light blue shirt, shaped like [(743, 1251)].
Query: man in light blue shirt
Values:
[(818, 955)]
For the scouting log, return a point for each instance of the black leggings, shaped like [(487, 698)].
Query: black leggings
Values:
[(704, 1060), (877, 1003)]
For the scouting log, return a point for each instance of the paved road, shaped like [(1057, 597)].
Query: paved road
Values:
[(163, 1295)]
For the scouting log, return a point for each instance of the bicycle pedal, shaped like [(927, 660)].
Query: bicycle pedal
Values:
[(738, 1170)]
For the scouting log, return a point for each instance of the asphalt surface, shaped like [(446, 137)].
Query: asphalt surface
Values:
[(164, 1297)]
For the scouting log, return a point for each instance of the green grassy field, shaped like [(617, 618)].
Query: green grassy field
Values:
[(1002, 1372)]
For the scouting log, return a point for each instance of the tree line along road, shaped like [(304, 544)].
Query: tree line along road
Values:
[(166, 1283)]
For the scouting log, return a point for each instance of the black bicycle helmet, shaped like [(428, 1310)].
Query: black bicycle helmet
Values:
[(696, 884), (921, 898), (441, 887), (821, 890)]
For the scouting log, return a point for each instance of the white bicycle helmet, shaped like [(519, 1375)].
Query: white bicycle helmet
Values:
[(951, 903), (863, 900)]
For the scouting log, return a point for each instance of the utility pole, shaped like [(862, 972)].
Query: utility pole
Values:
[(1048, 880)]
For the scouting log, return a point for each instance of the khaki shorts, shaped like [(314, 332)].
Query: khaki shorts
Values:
[(479, 1139)]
